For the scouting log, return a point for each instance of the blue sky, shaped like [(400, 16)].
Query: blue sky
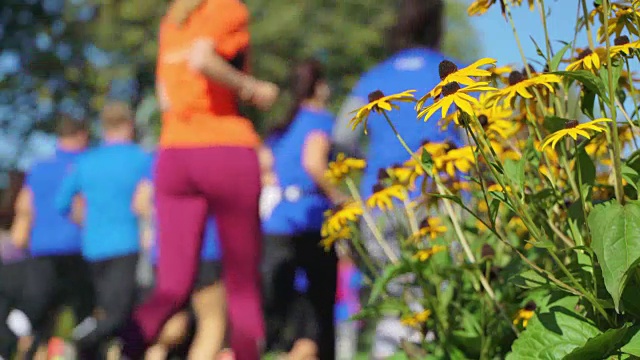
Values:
[(498, 41)]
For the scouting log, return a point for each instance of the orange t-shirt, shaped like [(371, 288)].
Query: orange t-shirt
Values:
[(201, 112)]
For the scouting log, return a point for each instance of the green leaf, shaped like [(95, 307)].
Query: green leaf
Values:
[(630, 175), (494, 206), (587, 79), (615, 232), (588, 102), (600, 346), (616, 70), (554, 123), (555, 60), (529, 279), (514, 170), (390, 272), (587, 168), (552, 335), (633, 345), (426, 160)]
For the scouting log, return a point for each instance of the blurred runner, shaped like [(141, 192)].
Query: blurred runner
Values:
[(15, 327), (416, 39), (207, 308), (107, 177), (207, 165), (347, 305), (292, 222), (57, 274)]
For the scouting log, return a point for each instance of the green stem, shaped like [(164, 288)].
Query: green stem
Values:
[(368, 219), (583, 201), (617, 164), (587, 24)]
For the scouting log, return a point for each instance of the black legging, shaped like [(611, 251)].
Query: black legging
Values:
[(282, 255)]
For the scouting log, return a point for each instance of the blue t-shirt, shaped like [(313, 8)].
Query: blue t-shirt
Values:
[(51, 233), (302, 204), (411, 69), (107, 177)]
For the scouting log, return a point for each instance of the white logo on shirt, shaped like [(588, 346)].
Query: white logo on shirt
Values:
[(409, 63)]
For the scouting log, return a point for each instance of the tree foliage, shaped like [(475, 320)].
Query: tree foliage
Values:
[(72, 54)]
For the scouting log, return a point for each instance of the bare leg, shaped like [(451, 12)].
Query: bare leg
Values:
[(210, 307), (173, 333)]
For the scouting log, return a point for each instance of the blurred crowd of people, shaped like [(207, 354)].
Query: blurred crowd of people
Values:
[(210, 246)]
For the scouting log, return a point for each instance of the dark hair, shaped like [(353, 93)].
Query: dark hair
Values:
[(303, 81), (418, 23), (68, 126)]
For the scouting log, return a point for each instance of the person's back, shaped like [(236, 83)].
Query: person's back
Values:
[(51, 232), (107, 177)]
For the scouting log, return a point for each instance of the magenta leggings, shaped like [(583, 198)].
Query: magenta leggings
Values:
[(189, 185)]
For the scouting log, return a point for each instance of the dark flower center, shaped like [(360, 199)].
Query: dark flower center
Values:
[(484, 120), (451, 145), (446, 68), (377, 188), (376, 95), (584, 54), (515, 77), (487, 251), (450, 88), (424, 142), (424, 223), (571, 124), (532, 70), (621, 40), (382, 174), (531, 306)]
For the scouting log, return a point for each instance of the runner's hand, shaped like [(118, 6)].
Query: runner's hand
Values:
[(262, 94)]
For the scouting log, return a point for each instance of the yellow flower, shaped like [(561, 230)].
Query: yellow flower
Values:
[(330, 239), (342, 166), (623, 46), (379, 103), (516, 224), (431, 227), (461, 159), (382, 197), (497, 121), (525, 314), (417, 319), (453, 94), (479, 7), (424, 255), (519, 84), (449, 73), (404, 175), (624, 18), (336, 219), (498, 188), (433, 148), (589, 59), (573, 129)]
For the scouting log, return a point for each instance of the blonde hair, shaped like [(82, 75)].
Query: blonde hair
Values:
[(116, 114), (181, 10)]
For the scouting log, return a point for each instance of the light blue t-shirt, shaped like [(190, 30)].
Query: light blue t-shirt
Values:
[(410, 69), (107, 177), (302, 205), (51, 233)]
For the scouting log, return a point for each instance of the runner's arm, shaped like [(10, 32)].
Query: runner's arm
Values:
[(21, 226), (315, 160)]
